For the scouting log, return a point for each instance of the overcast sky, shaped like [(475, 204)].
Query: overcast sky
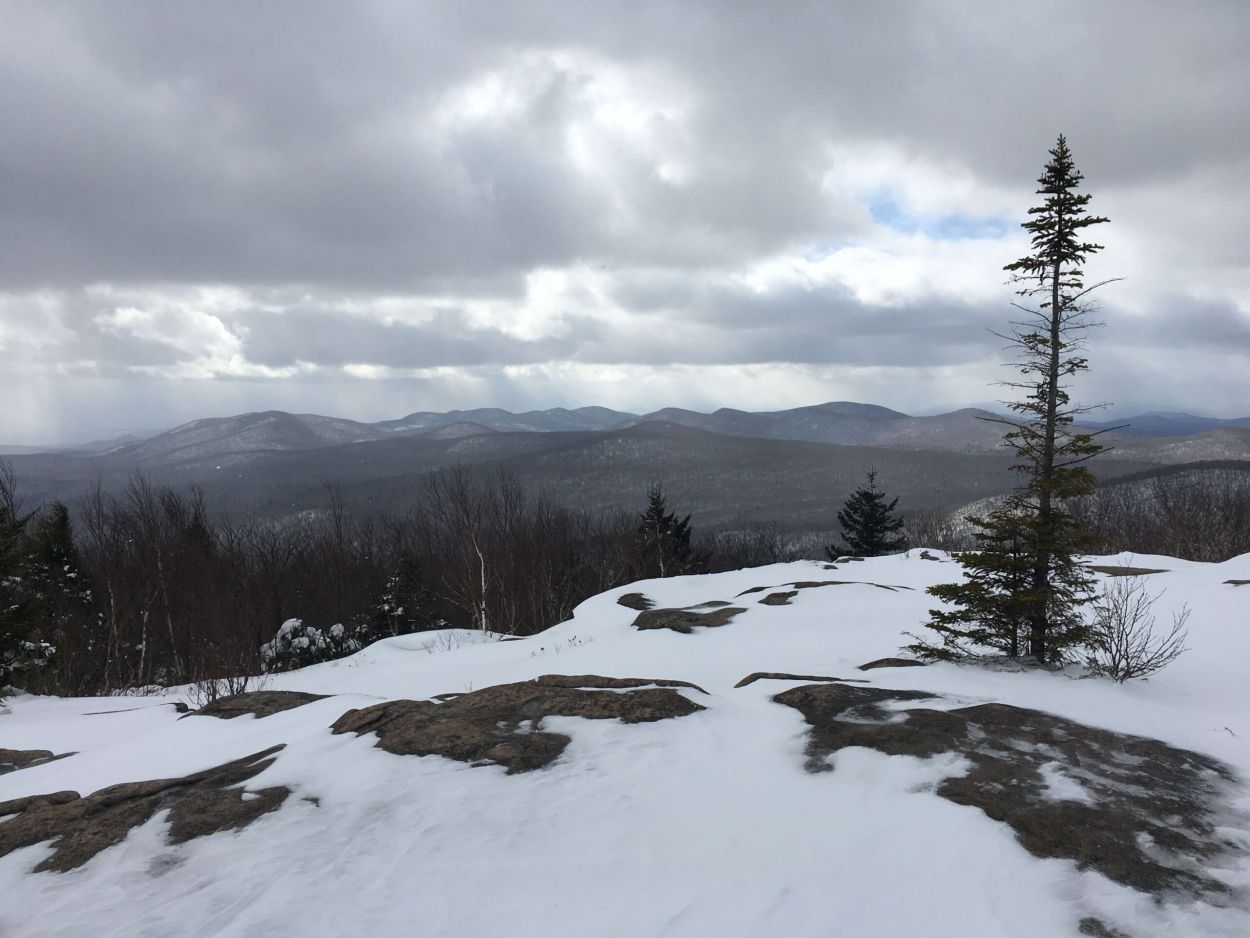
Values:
[(370, 208)]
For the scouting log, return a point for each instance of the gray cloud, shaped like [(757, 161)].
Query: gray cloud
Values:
[(325, 160), (327, 339)]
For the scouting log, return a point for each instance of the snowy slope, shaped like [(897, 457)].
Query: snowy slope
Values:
[(703, 825)]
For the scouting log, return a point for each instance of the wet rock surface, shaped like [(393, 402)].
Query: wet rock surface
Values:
[(79, 828), (688, 619), (503, 724), (258, 703), (13, 759), (1140, 812)]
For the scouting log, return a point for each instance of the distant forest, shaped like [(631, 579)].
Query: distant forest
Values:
[(150, 586)]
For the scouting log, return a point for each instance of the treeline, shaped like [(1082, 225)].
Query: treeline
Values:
[(1195, 514), (147, 587), (1198, 514)]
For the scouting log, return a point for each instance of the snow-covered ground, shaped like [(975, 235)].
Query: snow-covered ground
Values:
[(707, 824)]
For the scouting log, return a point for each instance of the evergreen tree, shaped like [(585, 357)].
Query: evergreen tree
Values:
[(61, 594), (404, 602), (990, 608), (663, 544), (16, 608), (868, 524), (1025, 580)]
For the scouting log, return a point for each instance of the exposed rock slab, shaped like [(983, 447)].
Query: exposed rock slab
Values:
[(892, 663), (1123, 571), (1149, 816), (599, 682), (258, 703), (636, 601), (688, 619), (79, 828), (779, 599), (503, 724), (816, 584), (781, 676), (13, 759)]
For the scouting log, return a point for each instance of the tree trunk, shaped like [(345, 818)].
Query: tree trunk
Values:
[(1041, 569)]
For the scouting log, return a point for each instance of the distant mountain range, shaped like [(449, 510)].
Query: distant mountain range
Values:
[(842, 422), (1163, 423), (492, 418), (212, 438), (795, 466)]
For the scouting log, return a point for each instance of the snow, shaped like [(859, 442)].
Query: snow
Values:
[(706, 824), (1060, 786)]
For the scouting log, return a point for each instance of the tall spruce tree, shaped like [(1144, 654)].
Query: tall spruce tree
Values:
[(1025, 584), (868, 523)]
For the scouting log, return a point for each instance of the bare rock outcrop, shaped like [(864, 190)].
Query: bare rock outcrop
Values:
[(79, 828), (1138, 811), (503, 724), (685, 621), (635, 601), (13, 759), (781, 676), (892, 663), (258, 703)]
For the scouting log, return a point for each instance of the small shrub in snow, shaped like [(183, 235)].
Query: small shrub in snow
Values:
[(573, 641), (447, 640), (298, 645), (206, 691), (1123, 642)]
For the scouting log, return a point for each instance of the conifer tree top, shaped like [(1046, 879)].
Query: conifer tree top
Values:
[(1056, 224), (868, 523)]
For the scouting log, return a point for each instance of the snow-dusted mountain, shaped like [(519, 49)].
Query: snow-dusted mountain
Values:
[(493, 418), (793, 466), (266, 432), (752, 779), (1169, 423)]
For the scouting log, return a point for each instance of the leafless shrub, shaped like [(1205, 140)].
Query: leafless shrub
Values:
[(202, 693), (944, 530), (1195, 513), (755, 544), (1123, 642), (446, 640)]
